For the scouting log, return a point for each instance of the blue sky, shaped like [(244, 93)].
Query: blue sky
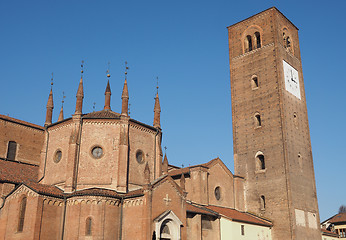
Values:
[(185, 44)]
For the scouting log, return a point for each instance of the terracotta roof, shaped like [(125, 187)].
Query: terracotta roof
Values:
[(199, 209), (338, 218), (178, 172), (21, 122), (102, 114), (105, 193), (51, 190), (329, 233), (17, 172), (45, 189), (236, 215)]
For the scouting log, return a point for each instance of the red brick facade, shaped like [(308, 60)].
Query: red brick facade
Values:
[(101, 175)]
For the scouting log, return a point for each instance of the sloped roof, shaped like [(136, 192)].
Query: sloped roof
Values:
[(105, 193), (45, 189), (338, 218), (199, 209), (180, 171), (51, 190), (17, 172), (102, 114), (329, 233), (21, 122), (167, 178), (238, 216)]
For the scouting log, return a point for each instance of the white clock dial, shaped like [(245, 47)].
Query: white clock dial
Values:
[(291, 79)]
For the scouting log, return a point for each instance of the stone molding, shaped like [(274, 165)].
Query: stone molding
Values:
[(143, 129), (21, 126)]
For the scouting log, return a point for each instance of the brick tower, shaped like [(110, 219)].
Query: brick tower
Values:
[(272, 148)]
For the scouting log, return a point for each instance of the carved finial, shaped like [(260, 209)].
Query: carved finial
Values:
[(108, 75), (94, 104), (157, 85), (51, 82), (165, 149), (126, 69), (82, 68), (129, 108), (63, 98)]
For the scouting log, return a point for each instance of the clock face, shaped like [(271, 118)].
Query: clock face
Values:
[(291, 79)]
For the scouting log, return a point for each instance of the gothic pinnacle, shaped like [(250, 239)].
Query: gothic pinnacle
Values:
[(108, 94), (79, 96), (50, 106), (157, 111), (125, 100)]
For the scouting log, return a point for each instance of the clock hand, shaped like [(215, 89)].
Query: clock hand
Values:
[(292, 77)]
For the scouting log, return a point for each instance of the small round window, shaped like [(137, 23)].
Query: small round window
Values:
[(140, 156), (97, 152), (57, 156), (217, 193)]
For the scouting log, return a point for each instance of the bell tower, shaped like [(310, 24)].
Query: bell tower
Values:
[(271, 137)]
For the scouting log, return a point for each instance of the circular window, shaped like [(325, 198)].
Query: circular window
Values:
[(140, 156), (57, 156), (217, 193), (97, 152)]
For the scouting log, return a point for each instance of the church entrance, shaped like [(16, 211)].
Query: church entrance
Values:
[(167, 226)]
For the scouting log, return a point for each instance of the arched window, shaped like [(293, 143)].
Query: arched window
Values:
[(248, 43), (263, 202), (286, 40), (260, 163), (254, 82), (258, 122), (88, 226), (217, 193), (257, 40), (11, 150), (21, 215)]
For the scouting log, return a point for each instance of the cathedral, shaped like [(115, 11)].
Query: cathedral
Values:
[(102, 175)]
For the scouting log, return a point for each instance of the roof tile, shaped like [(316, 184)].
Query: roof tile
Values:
[(17, 172), (239, 216)]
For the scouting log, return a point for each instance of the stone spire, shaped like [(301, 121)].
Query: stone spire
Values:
[(165, 165), (61, 115), (157, 111), (80, 95), (157, 108), (125, 95), (147, 173), (50, 107), (108, 94)]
